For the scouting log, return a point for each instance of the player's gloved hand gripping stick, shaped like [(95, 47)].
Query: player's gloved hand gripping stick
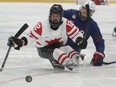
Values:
[(21, 30)]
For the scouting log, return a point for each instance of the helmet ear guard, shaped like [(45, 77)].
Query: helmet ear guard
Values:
[(56, 8)]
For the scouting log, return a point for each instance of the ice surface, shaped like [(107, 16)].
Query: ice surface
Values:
[(26, 61)]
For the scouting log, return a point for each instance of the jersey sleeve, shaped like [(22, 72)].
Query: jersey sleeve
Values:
[(36, 35), (37, 31), (72, 31), (70, 14), (67, 14), (97, 38)]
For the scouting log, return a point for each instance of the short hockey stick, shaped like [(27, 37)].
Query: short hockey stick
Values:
[(22, 29), (108, 63)]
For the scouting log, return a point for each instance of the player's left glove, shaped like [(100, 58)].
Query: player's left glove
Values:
[(98, 59), (82, 44)]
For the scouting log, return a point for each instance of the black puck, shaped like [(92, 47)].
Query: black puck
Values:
[(28, 78)]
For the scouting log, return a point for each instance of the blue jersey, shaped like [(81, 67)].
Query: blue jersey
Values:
[(91, 28)]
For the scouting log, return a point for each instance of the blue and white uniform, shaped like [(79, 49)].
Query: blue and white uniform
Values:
[(91, 29)]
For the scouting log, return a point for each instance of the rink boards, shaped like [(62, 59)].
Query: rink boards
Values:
[(65, 1), (59, 1)]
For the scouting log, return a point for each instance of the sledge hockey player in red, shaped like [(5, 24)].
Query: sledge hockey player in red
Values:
[(57, 39)]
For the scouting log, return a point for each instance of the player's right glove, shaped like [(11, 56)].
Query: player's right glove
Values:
[(82, 44), (16, 42), (98, 59)]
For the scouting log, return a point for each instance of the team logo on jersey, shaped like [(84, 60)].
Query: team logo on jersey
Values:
[(74, 16), (53, 40)]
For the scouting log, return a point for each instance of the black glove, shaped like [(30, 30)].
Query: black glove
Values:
[(98, 59), (16, 42), (82, 44)]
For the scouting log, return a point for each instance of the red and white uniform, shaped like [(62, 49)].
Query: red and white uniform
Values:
[(44, 35)]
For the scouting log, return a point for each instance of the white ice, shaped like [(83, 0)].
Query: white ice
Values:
[(27, 62)]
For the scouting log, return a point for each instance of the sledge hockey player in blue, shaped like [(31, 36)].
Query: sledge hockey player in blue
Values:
[(89, 27)]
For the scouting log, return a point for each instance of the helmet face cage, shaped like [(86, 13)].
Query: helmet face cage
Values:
[(56, 8)]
